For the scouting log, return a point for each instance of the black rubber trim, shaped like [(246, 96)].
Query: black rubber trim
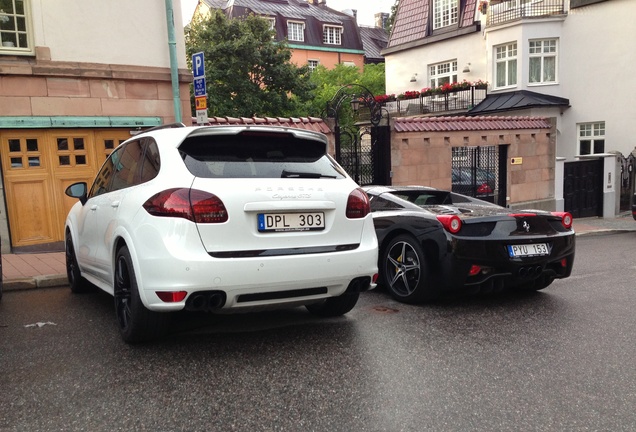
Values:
[(284, 252), (277, 295)]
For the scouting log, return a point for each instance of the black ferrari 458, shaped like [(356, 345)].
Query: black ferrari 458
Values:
[(433, 242)]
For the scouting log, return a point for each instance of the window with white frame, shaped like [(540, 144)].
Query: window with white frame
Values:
[(506, 65), (542, 60), (443, 73), (296, 31), (312, 64), (272, 23), (591, 138), (331, 35), (444, 13), (14, 26)]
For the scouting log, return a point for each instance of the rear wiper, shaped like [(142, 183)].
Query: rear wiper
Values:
[(301, 174)]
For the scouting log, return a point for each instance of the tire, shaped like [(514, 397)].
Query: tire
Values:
[(539, 284), (404, 270), (75, 279), (136, 323), (334, 306)]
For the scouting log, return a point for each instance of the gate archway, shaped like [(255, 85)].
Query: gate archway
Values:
[(362, 135)]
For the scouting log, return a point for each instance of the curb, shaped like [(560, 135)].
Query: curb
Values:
[(602, 231), (35, 282)]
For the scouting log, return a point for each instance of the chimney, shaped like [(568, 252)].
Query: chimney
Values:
[(381, 19)]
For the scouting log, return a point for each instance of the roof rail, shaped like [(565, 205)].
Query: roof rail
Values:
[(166, 126)]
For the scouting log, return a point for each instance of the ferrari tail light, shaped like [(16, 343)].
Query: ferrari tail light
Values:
[(566, 218), (474, 270), (194, 205), (451, 223), (358, 205)]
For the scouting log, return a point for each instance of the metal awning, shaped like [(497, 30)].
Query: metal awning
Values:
[(516, 100)]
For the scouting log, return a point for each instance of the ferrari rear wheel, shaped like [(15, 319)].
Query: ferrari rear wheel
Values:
[(405, 270), (136, 323)]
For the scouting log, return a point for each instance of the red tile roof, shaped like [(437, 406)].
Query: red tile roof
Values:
[(308, 123), (444, 124)]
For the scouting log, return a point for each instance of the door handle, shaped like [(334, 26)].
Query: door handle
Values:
[(114, 204), (93, 207)]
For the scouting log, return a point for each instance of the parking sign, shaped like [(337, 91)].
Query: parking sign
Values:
[(199, 87), (198, 66)]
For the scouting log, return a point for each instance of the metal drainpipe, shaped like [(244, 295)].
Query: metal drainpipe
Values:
[(174, 69)]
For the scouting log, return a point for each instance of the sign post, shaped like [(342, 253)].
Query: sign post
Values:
[(200, 92)]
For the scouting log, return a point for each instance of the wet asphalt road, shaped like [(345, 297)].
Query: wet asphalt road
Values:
[(562, 359)]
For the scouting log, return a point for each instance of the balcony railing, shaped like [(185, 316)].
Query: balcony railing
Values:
[(511, 10), (458, 100)]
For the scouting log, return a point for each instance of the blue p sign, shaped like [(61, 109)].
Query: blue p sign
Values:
[(198, 67)]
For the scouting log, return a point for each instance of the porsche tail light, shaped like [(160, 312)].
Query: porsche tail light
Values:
[(192, 204), (451, 223), (566, 218), (358, 205)]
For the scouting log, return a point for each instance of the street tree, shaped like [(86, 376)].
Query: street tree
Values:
[(327, 82), (247, 72)]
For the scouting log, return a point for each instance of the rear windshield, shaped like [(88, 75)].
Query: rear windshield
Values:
[(258, 155)]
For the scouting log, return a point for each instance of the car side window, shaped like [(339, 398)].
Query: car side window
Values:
[(379, 203), (125, 166), (150, 163), (104, 178)]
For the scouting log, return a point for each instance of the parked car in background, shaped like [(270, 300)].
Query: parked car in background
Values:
[(220, 219), (473, 181), (434, 242)]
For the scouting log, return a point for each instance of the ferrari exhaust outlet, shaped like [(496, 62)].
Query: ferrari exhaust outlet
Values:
[(530, 272)]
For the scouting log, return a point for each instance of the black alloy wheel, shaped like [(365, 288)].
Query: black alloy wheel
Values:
[(404, 270), (136, 323), (75, 280)]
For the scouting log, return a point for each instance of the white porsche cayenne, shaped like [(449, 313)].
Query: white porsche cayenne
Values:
[(220, 219)]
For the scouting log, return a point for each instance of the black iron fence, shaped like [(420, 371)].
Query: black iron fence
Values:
[(511, 10), (457, 100)]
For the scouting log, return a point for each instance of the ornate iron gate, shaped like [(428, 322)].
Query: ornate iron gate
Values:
[(362, 135), (480, 172), (628, 177), (582, 188)]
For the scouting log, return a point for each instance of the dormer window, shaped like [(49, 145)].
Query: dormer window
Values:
[(331, 35), (296, 31), (272, 23), (444, 13)]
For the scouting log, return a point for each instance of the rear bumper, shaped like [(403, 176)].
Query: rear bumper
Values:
[(256, 282), (498, 270)]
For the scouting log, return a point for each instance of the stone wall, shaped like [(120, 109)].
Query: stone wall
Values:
[(421, 153)]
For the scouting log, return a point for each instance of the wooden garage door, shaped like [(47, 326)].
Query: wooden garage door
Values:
[(37, 167)]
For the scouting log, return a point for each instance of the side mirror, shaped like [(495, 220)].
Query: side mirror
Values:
[(78, 190)]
